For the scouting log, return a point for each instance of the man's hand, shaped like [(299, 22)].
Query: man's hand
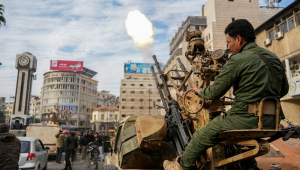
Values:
[(197, 90)]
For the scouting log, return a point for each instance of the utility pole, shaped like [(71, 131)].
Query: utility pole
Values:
[(149, 100)]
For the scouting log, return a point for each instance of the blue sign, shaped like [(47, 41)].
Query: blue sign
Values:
[(71, 108), (141, 68)]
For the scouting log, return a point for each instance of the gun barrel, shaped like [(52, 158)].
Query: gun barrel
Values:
[(159, 88)]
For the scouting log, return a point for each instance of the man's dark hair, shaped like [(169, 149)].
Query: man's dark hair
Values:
[(241, 27)]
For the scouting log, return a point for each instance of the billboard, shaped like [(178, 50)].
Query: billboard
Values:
[(141, 68), (65, 65)]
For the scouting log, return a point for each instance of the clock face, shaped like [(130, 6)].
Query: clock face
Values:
[(23, 60)]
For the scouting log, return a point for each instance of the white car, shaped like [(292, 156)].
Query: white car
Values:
[(33, 154)]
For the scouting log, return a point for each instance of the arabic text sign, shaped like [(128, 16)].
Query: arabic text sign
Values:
[(294, 88), (141, 68), (66, 65)]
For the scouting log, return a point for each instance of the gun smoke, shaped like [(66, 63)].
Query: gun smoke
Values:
[(140, 29)]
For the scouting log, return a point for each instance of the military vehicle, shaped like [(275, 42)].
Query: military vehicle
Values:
[(144, 142)]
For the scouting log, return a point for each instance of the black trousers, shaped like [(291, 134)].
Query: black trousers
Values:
[(67, 159), (72, 155)]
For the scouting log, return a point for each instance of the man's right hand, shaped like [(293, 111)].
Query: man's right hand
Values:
[(197, 90)]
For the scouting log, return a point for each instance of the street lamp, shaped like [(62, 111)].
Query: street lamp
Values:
[(149, 99)]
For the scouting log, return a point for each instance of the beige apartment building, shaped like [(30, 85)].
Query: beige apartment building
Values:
[(104, 98), (281, 35), (9, 107), (105, 117), (73, 91), (137, 94)]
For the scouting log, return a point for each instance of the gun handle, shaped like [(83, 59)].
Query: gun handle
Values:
[(288, 135)]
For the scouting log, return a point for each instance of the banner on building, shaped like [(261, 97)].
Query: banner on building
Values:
[(64, 107), (35, 77), (294, 88), (141, 68), (65, 65)]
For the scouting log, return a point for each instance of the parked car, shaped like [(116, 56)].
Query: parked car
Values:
[(34, 155), (283, 154)]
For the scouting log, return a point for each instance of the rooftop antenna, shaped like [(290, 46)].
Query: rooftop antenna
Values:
[(272, 3)]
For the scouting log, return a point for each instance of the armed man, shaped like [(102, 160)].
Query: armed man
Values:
[(247, 71)]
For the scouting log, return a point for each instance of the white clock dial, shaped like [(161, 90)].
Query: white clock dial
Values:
[(24, 60)]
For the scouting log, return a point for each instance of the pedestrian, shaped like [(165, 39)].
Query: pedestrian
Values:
[(79, 139), (97, 142), (67, 147), (76, 146), (74, 143), (103, 142), (83, 145), (59, 145), (10, 148), (247, 71)]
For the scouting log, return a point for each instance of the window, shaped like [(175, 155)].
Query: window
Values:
[(132, 107), (141, 100), (232, 19), (150, 100), (149, 84), (141, 85), (116, 117), (89, 84), (95, 86), (123, 107), (123, 115), (291, 23), (271, 34), (123, 91), (282, 27), (141, 92), (132, 92), (123, 99), (158, 100), (141, 107), (132, 84), (150, 92), (132, 100), (298, 18), (89, 90), (94, 117), (123, 84), (230, 0), (150, 107)]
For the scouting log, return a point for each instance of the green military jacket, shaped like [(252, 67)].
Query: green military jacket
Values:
[(250, 77), (59, 140)]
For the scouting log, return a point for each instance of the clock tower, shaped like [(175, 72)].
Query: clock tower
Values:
[(26, 64)]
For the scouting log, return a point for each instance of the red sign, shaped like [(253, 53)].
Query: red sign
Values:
[(66, 65)]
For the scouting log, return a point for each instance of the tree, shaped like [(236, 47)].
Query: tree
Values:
[(2, 19), (2, 117), (61, 115)]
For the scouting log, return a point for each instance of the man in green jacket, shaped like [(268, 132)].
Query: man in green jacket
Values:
[(59, 145), (251, 80)]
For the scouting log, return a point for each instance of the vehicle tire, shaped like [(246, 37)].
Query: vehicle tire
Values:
[(96, 161), (109, 167), (38, 168), (45, 168)]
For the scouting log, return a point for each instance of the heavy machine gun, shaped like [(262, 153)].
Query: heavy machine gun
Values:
[(186, 111)]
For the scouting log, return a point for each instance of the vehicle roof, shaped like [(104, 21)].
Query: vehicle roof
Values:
[(43, 124), (27, 138)]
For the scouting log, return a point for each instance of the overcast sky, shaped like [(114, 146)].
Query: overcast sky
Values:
[(85, 30)]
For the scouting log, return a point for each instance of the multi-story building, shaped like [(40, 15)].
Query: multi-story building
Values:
[(281, 35), (105, 117), (215, 16), (2, 104), (73, 91), (9, 109), (34, 108), (106, 99), (138, 92)]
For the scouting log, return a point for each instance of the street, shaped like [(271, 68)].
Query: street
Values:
[(52, 165)]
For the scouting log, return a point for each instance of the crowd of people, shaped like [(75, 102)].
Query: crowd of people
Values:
[(70, 143)]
